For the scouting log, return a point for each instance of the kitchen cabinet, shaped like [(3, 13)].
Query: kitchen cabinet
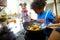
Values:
[(3, 2)]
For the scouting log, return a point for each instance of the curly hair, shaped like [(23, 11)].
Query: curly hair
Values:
[(39, 4), (23, 4)]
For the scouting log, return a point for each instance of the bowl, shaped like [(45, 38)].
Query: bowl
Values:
[(2, 19)]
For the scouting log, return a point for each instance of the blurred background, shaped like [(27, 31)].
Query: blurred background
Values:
[(10, 11)]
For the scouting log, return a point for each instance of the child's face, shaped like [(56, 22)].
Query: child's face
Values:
[(23, 7), (38, 11)]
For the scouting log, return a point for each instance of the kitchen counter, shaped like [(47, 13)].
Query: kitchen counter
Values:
[(55, 35), (54, 25)]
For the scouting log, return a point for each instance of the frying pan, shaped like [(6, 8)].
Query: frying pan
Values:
[(26, 24)]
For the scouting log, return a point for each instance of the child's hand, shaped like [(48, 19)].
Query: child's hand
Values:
[(41, 20)]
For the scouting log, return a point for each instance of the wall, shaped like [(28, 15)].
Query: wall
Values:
[(58, 6), (51, 6)]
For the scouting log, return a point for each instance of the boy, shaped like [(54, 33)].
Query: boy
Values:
[(43, 16)]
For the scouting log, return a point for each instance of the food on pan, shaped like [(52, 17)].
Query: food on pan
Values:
[(34, 27)]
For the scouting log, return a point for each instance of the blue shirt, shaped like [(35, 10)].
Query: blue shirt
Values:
[(49, 17)]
